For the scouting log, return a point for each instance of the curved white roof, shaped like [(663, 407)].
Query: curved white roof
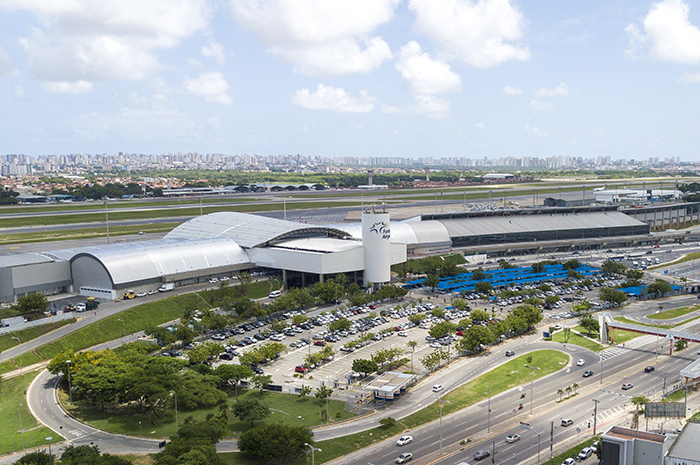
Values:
[(139, 261), (249, 230)]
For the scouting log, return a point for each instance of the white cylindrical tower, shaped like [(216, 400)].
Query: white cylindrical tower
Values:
[(376, 234)]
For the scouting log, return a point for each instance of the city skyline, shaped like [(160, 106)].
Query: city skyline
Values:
[(369, 79)]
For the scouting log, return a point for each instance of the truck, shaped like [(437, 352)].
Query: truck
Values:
[(12, 321), (166, 287), (91, 303)]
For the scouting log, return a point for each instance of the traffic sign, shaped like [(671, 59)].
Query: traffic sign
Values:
[(524, 425)]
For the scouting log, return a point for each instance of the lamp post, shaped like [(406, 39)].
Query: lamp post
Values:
[(20, 355), (49, 439), (313, 449), (440, 401), (21, 431), (532, 377), (119, 319), (177, 424), (140, 431), (70, 390)]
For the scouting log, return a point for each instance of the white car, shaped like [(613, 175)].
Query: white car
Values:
[(581, 362), (511, 438), (437, 388), (568, 461), (403, 458), (403, 440)]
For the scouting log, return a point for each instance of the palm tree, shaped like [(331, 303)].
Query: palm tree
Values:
[(637, 401), (560, 392), (574, 387), (568, 391), (412, 345)]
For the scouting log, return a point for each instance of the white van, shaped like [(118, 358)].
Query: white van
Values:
[(275, 294)]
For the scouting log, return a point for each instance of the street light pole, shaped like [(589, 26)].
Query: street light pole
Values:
[(532, 377), (313, 449), (20, 355), (21, 431), (107, 219), (49, 439), (70, 391), (489, 417), (595, 416)]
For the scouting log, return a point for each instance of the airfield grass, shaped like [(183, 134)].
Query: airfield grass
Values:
[(13, 407), (120, 215), (135, 319), (577, 340), (673, 313), (85, 233)]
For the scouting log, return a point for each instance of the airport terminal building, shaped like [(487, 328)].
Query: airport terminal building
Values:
[(224, 243)]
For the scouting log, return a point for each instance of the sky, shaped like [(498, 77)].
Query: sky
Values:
[(355, 78)]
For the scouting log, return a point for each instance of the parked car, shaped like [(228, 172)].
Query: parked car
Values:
[(568, 461), (584, 454), (301, 369)]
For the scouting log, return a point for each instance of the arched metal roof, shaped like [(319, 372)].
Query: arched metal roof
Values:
[(139, 261), (249, 230)]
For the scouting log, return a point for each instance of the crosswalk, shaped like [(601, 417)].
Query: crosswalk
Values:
[(636, 343), (613, 412)]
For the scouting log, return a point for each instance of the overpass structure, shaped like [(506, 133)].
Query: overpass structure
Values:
[(608, 326)]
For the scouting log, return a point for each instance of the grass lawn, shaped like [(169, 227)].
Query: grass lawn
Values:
[(577, 340), (510, 374), (571, 453), (286, 408), (622, 319), (24, 335), (677, 396), (673, 313), (620, 336), (688, 258), (12, 408)]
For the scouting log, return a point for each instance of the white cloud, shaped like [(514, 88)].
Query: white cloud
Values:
[(211, 86), (689, 78), (81, 41), (320, 37), (334, 99), (561, 90), (535, 131), (537, 105), (215, 122), (7, 67), (19, 92), (73, 87), (477, 33), (424, 75), (668, 34), (479, 125), (510, 90), (214, 50)]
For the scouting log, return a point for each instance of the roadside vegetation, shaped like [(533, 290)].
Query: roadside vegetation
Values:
[(673, 313), (7, 340)]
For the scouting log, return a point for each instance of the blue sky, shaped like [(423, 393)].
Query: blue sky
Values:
[(411, 78)]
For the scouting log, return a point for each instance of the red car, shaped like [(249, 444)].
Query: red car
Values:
[(301, 369), (320, 342)]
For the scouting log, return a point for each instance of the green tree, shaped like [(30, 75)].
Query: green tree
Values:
[(659, 288), (478, 274), (260, 381), (364, 366), (538, 267), (442, 329), (478, 316), (432, 281), (589, 323), (194, 444), (613, 267), (341, 324), (483, 287), (251, 410), (613, 296), (276, 442), (571, 265), (32, 302), (474, 338)]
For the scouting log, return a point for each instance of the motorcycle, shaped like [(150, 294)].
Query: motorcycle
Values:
[(521, 407), (522, 396)]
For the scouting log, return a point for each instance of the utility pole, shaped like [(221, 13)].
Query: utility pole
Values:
[(489, 418), (551, 440), (493, 452), (595, 416)]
